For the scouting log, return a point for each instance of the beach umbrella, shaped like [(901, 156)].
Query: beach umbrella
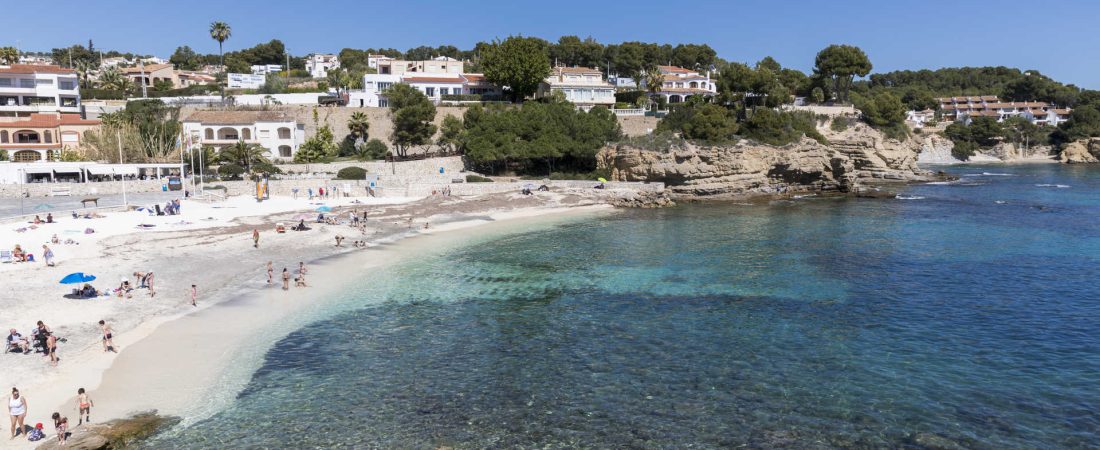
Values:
[(78, 277), (43, 207), (601, 180), (324, 209)]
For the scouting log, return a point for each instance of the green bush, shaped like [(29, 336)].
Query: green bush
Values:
[(374, 149), (781, 128), (630, 97), (266, 167), (478, 179), (102, 94), (839, 124), (351, 173), (963, 150), (230, 171)]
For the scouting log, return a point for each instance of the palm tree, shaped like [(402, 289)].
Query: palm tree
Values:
[(243, 154), (109, 79), (220, 31), (9, 55), (83, 70), (358, 125), (654, 79)]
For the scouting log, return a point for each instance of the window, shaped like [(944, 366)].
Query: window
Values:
[(429, 91), (5, 82), (49, 136), (26, 83), (284, 133), (210, 133), (265, 133), (67, 85), (444, 91), (68, 101), (3, 136), (284, 151), (44, 82), (383, 103)]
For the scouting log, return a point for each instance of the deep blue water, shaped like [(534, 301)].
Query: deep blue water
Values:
[(966, 315)]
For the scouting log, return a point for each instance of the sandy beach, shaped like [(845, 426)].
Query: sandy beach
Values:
[(190, 361)]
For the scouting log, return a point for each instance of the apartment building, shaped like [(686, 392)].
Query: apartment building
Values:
[(437, 65), (26, 89), (276, 131), (436, 86), (149, 74), (318, 64), (964, 109), (680, 84), (42, 136), (582, 86)]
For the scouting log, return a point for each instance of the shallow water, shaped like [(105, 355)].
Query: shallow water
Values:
[(966, 313)]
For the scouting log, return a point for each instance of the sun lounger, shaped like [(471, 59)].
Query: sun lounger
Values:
[(5, 256)]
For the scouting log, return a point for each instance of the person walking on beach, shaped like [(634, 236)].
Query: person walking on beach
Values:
[(17, 408), (108, 343), (47, 255), (286, 279), (84, 405), (255, 238), (61, 425), (194, 293), (270, 272)]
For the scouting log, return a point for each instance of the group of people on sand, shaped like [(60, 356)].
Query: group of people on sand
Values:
[(39, 221), (18, 254), (42, 340), (141, 280), (299, 279), (18, 409)]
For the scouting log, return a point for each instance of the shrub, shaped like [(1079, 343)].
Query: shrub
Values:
[(351, 173), (839, 124), (478, 179), (102, 94), (230, 171), (266, 167), (374, 149), (963, 150), (630, 97), (781, 128)]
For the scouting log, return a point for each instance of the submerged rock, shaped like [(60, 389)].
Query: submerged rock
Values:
[(932, 441), (115, 434), (643, 199)]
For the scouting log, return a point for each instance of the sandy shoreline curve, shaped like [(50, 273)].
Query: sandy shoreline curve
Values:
[(191, 362)]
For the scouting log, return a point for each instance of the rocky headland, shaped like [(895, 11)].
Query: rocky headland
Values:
[(853, 161), (1081, 152)]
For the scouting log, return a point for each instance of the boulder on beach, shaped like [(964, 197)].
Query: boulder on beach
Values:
[(115, 434)]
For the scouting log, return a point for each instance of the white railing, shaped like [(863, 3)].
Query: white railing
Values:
[(629, 112)]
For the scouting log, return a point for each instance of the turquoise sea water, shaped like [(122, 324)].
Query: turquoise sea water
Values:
[(965, 314)]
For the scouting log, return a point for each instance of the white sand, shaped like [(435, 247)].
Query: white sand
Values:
[(190, 361)]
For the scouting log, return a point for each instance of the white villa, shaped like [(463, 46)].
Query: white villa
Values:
[(318, 64), (266, 69), (276, 131), (27, 89), (374, 60), (582, 86), (439, 64), (435, 86), (681, 83)]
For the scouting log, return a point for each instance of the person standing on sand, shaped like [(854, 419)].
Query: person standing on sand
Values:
[(194, 293), (51, 349), (270, 272), (302, 267), (108, 344), (84, 405), (255, 238), (286, 279), (149, 283), (17, 408)]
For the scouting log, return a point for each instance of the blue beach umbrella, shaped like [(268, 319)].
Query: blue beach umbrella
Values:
[(78, 277), (324, 209)]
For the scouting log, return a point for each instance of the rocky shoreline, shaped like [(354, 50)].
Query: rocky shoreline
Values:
[(855, 162), (115, 434)]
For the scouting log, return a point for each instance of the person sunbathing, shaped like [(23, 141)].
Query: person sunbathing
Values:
[(18, 343), (18, 254), (300, 281)]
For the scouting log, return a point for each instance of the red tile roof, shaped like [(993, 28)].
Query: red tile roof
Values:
[(34, 68), (561, 70), (148, 68), (432, 80), (674, 69), (48, 121)]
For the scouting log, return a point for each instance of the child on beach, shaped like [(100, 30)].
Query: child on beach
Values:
[(286, 279), (194, 293), (36, 434), (61, 425), (255, 238), (108, 344), (300, 281), (51, 348), (270, 272), (84, 404), (47, 255)]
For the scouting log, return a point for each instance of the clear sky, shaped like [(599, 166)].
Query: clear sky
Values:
[(1058, 38)]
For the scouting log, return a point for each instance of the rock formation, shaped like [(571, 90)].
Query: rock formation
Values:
[(115, 434), (1082, 151), (858, 156)]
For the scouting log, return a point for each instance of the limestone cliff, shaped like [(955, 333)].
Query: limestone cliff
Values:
[(856, 157), (1083, 151)]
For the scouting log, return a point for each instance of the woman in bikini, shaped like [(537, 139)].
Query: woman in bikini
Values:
[(17, 408), (286, 279)]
